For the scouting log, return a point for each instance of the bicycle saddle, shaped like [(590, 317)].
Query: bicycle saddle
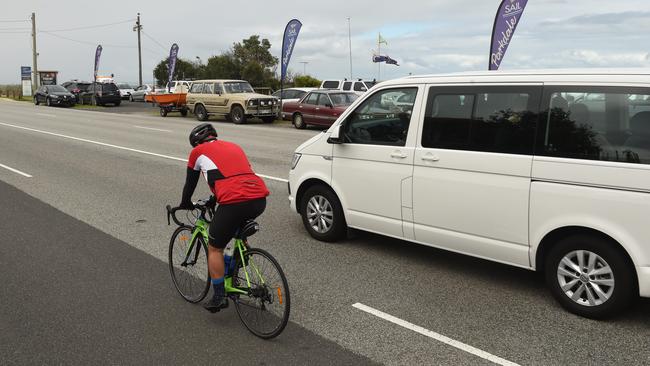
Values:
[(248, 228)]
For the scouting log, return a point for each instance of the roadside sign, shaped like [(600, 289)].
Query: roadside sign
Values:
[(26, 73)]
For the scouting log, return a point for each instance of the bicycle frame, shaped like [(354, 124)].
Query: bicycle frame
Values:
[(201, 228)]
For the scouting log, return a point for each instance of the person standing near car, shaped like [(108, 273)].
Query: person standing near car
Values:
[(240, 193)]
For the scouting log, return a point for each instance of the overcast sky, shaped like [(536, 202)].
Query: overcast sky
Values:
[(425, 37)]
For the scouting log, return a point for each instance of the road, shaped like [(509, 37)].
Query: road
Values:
[(114, 173)]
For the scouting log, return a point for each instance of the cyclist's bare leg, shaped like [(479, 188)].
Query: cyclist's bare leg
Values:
[(215, 262)]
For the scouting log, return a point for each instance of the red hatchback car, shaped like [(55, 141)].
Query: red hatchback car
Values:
[(319, 107)]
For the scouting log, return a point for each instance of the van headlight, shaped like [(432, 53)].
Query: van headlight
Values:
[(252, 102), (295, 160)]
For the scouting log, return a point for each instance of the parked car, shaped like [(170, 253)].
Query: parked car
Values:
[(104, 93), (76, 87), (357, 86), (139, 93), (318, 107), (291, 95), (125, 90), (234, 99), (54, 95), (485, 165), (177, 86)]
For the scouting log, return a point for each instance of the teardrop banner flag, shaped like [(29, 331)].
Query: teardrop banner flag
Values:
[(506, 21), (98, 54), (173, 54), (288, 42)]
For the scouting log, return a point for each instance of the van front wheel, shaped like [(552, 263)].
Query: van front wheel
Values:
[(322, 214), (590, 276)]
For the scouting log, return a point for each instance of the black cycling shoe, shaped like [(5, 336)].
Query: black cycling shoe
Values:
[(215, 305)]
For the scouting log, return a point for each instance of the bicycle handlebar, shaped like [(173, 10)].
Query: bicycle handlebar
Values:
[(202, 205)]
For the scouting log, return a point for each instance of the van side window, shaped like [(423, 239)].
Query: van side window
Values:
[(331, 84), (208, 88), (381, 119), (218, 88), (609, 124), (347, 85), (358, 86), (490, 119), (196, 88)]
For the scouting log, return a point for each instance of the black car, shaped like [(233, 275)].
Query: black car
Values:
[(54, 95), (105, 93), (76, 87)]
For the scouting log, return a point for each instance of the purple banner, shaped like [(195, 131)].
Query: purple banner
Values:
[(506, 21), (98, 54), (288, 42), (173, 54)]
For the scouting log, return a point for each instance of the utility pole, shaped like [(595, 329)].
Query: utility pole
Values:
[(138, 28), (34, 54), (350, 43)]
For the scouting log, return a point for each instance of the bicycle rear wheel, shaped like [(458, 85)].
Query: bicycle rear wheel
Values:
[(189, 272), (265, 309)]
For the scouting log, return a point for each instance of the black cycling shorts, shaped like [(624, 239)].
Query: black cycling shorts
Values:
[(228, 218)]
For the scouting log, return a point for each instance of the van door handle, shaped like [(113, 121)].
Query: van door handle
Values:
[(430, 158), (398, 155)]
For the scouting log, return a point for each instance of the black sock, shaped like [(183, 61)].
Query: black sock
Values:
[(219, 290)]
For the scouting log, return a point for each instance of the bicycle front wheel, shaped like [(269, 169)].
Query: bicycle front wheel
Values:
[(188, 265), (264, 310)]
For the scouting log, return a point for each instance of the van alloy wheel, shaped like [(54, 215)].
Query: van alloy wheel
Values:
[(320, 214), (586, 278)]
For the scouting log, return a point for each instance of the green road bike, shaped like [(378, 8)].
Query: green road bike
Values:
[(254, 281)]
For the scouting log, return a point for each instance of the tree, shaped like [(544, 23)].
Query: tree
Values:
[(223, 66), (254, 50), (184, 70), (305, 81)]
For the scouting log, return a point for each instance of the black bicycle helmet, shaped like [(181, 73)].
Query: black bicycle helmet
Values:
[(202, 133)]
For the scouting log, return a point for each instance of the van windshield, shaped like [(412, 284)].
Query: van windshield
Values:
[(238, 87)]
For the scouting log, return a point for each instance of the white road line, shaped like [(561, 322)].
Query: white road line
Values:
[(439, 337), (46, 115), (15, 171), (153, 129), (120, 147)]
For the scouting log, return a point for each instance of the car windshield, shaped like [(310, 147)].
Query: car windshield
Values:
[(124, 86), (238, 87), (56, 88), (343, 99)]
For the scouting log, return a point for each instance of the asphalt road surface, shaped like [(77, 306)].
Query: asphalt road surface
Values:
[(84, 262)]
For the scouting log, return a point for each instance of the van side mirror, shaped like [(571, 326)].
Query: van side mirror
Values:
[(335, 136), (329, 105)]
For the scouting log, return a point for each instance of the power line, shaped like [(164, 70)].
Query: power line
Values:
[(156, 42), (87, 27), (85, 42), (6, 29)]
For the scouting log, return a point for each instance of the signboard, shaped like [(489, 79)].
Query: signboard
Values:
[(506, 21), (26, 73), (47, 77), (26, 77)]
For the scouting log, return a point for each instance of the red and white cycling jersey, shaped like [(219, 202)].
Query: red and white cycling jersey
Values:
[(228, 172)]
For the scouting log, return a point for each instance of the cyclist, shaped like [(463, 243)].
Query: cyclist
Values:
[(240, 193)]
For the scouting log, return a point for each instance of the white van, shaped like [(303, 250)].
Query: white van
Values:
[(357, 86), (547, 170)]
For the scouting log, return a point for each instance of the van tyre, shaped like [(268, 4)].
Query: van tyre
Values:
[(590, 276), (298, 121), (237, 115), (322, 214), (201, 113)]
